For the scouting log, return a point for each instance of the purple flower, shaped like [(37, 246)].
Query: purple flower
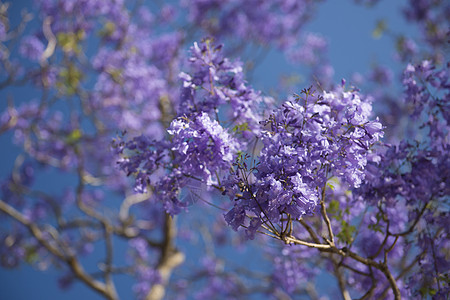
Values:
[(2, 31), (432, 18), (215, 82), (32, 48), (310, 51), (406, 49), (292, 268), (381, 75), (146, 278), (202, 146), (12, 250), (260, 21), (66, 281), (305, 142), (139, 245)]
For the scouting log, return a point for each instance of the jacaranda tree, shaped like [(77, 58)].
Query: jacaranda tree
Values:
[(144, 145)]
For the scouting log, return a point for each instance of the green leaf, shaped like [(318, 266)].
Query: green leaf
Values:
[(241, 127), (333, 207), (380, 29), (116, 75), (330, 185), (347, 232), (74, 136), (108, 29), (375, 227), (333, 182), (31, 255), (70, 41), (70, 79)]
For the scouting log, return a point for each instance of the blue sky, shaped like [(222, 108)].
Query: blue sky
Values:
[(352, 48)]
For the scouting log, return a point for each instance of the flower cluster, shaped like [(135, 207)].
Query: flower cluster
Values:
[(309, 172), (43, 134), (263, 21), (201, 147), (414, 176), (126, 87), (305, 142), (432, 18), (32, 48), (313, 52), (146, 276), (148, 161), (215, 81), (82, 15), (219, 283), (293, 269), (143, 158)]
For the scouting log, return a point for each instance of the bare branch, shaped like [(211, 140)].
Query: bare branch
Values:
[(325, 217), (170, 258), (341, 280), (70, 260), (50, 49), (293, 240)]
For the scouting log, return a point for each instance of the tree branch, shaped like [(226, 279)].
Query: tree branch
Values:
[(341, 280), (325, 217), (170, 258), (70, 260)]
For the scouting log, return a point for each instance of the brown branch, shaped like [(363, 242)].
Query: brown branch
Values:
[(382, 266), (50, 49), (341, 280), (70, 260), (411, 229), (325, 217), (170, 258), (354, 270), (107, 227), (380, 248), (109, 259), (405, 271), (369, 293), (310, 231), (124, 212), (293, 240)]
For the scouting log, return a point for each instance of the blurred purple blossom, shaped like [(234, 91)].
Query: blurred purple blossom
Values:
[(32, 48)]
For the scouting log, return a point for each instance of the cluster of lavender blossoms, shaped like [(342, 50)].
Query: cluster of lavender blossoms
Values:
[(306, 141), (415, 175), (215, 81), (199, 147), (276, 21), (140, 144)]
